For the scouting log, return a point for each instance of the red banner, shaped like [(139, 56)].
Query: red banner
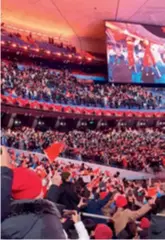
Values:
[(80, 110)]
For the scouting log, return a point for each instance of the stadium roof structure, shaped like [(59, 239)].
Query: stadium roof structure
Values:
[(80, 21)]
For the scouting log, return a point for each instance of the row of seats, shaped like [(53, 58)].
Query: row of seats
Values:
[(47, 85)]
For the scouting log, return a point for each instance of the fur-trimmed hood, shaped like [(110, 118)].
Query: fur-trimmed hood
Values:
[(38, 207), (32, 219)]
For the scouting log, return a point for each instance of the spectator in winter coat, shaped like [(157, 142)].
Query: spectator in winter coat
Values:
[(30, 216), (67, 195), (6, 183), (157, 228)]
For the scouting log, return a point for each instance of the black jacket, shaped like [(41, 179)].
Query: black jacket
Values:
[(6, 187), (64, 195), (53, 193), (68, 196), (32, 219), (157, 228)]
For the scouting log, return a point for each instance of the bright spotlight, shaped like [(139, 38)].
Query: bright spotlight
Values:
[(13, 45)]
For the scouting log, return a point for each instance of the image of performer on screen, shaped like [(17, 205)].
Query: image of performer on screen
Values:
[(130, 49), (149, 66)]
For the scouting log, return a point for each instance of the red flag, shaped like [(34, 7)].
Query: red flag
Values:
[(93, 183), (96, 171), (54, 150), (152, 191)]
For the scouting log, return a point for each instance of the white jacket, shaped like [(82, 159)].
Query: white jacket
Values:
[(81, 231)]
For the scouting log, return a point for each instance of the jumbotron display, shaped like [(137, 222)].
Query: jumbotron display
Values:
[(135, 53)]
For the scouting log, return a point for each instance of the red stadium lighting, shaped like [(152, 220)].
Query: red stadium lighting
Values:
[(59, 54), (37, 49), (48, 52), (25, 47), (14, 45), (70, 56), (2, 42), (89, 59), (79, 57)]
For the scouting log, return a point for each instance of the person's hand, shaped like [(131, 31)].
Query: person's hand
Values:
[(5, 158), (75, 217), (81, 203), (152, 201), (63, 220), (98, 190), (56, 180)]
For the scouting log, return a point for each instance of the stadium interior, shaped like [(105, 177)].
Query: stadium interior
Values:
[(83, 119)]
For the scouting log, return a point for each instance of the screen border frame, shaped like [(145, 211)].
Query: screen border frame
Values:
[(136, 23)]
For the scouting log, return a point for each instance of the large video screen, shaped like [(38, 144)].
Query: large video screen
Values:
[(135, 53)]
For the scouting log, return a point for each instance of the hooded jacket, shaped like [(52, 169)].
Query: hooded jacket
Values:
[(157, 228), (6, 186), (32, 219)]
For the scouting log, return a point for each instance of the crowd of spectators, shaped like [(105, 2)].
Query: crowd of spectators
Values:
[(137, 149), (48, 85), (60, 206)]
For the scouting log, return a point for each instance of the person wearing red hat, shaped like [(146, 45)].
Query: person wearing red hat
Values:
[(26, 184), (144, 223), (123, 215), (30, 216), (143, 228), (121, 201), (102, 231)]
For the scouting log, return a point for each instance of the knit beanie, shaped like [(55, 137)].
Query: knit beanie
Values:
[(121, 201), (26, 184), (144, 223), (102, 231)]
